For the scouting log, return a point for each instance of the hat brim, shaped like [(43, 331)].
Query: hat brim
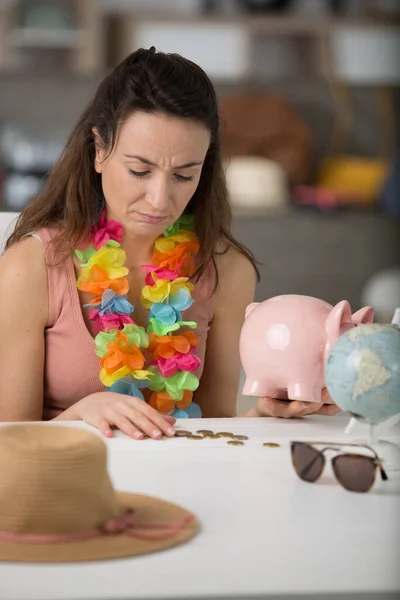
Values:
[(109, 546)]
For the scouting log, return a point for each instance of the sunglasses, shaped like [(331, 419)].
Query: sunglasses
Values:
[(355, 472)]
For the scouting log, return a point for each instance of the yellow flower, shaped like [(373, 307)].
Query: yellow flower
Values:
[(142, 374), (109, 259), (163, 288), (165, 244), (107, 380)]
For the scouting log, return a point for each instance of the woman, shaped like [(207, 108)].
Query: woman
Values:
[(135, 213)]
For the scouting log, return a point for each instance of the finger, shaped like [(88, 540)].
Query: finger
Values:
[(271, 407), (128, 408), (296, 408), (159, 421), (325, 397), (329, 410), (103, 426), (124, 424), (309, 408), (140, 420), (170, 419)]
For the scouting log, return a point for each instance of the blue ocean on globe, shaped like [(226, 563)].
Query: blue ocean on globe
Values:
[(362, 372)]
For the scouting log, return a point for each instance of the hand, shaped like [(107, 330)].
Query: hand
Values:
[(270, 407), (131, 415)]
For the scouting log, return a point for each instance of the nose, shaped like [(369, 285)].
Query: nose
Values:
[(157, 194)]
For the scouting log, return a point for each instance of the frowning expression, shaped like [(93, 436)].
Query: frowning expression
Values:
[(153, 170)]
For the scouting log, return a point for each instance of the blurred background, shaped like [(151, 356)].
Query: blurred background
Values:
[(309, 97)]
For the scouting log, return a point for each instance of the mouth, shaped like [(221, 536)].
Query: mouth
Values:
[(151, 218)]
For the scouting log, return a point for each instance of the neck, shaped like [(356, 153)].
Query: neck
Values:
[(139, 251)]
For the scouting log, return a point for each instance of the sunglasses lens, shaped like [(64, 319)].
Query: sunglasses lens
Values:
[(355, 473), (307, 461)]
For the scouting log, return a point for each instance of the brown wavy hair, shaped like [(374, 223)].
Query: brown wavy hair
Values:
[(152, 82)]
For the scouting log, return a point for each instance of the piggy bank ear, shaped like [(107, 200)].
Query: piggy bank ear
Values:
[(250, 308), (338, 318), (364, 315)]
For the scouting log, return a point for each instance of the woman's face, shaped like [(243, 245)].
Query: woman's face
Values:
[(152, 172)]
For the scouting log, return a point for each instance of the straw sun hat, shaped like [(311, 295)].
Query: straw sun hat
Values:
[(57, 503)]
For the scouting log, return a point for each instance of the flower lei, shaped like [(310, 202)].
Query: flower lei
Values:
[(169, 372)]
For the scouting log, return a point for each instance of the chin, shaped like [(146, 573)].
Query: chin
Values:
[(142, 229)]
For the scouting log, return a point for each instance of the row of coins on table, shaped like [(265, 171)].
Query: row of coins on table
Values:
[(233, 439)]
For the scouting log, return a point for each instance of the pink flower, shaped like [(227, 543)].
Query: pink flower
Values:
[(159, 272), (106, 231), (106, 322), (179, 362)]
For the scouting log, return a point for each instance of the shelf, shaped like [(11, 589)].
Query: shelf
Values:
[(273, 25), (46, 38), (30, 43)]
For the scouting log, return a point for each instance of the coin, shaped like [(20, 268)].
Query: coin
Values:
[(205, 431), (271, 445), (211, 436), (194, 437), (240, 437), (235, 443), (225, 434), (182, 433)]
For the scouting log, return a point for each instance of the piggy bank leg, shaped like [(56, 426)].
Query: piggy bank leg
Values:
[(305, 392), (258, 387)]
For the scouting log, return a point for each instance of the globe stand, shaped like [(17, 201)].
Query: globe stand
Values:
[(371, 434)]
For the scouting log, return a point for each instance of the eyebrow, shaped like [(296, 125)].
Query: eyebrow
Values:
[(146, 161)]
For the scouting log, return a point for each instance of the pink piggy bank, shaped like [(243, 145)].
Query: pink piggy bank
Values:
[(285, 341)]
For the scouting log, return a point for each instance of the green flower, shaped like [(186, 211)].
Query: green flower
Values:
[(160, 329), (136, 335), (102, 339), (85, 255), (175, 385), (185, 222)]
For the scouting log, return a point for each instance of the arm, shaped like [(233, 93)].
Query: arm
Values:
[(23, 318), (217, 392)]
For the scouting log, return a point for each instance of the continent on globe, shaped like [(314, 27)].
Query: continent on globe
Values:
[(362, 372)]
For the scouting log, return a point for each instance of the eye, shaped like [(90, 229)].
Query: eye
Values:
[(139, 173), (181, 178)]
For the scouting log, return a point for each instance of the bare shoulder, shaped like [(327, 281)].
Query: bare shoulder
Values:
[(23, 275), (234, 269), (23, 261), (237, 278)]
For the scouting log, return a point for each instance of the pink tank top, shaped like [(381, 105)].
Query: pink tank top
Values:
[(71, 369)]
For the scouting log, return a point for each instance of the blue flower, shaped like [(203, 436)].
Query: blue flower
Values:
[(164, 313), (171, 312), (179, 414), (181, 300), (112, 303), (193, 411), (129, 386)]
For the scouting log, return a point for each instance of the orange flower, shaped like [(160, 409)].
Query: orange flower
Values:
[(100, 282), (168, 345), (174, 258), (162, 402), (186, 400), (122, 354), (188, 268)]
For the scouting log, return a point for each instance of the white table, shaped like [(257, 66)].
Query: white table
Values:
[(265, 534)]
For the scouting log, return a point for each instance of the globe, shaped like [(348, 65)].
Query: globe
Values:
[(362, 372)]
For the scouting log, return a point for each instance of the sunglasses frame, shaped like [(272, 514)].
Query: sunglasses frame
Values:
[(336, 446)]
